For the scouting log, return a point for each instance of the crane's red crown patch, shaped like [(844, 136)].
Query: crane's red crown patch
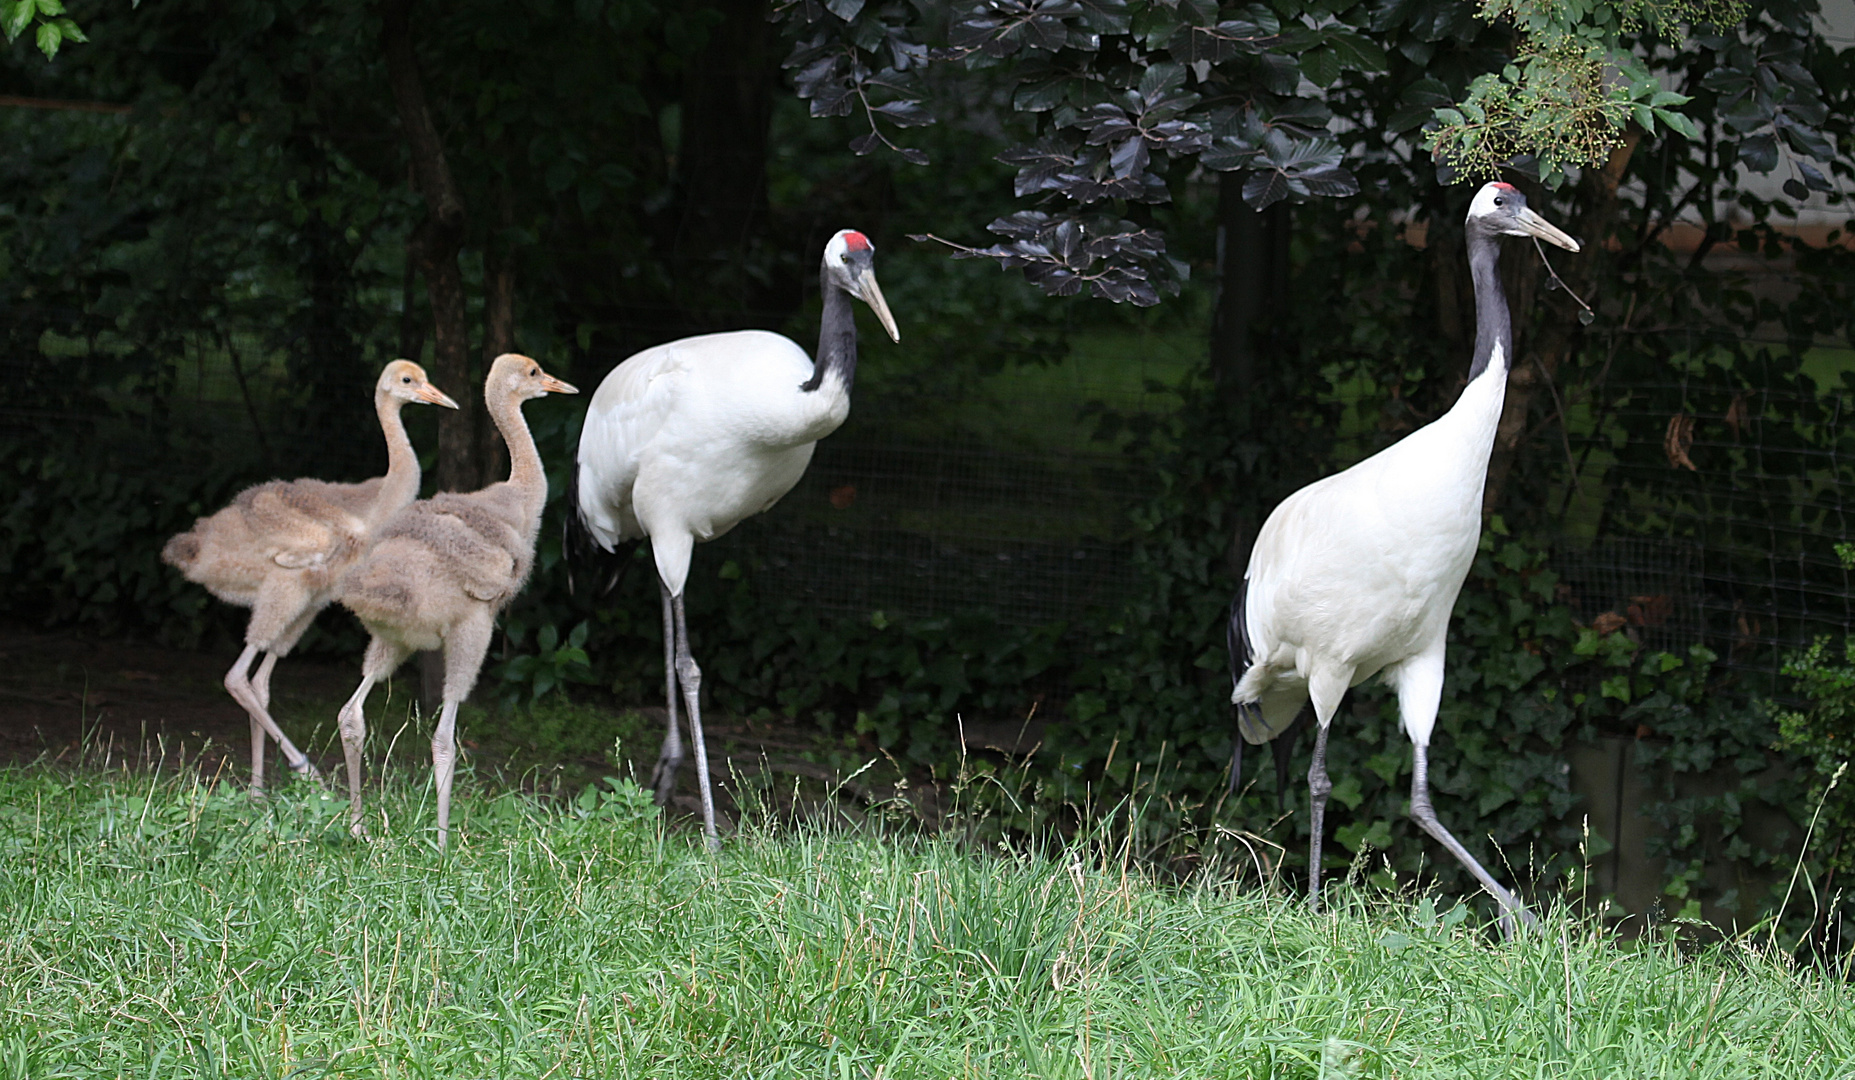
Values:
[(1505, 186), (856, 241)]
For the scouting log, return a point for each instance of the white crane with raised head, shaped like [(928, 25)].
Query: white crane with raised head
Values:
[(1355, 575), (686, 440)]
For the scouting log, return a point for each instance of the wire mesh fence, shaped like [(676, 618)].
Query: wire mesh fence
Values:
[(927, 529), (1702, 509), (1710, 512)]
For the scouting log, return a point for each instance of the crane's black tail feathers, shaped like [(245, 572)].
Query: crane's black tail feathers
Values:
[(581, 551), (1242, 655), (1237, 647)]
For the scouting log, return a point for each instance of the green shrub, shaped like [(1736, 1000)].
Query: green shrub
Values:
[(1824, 733), (81, 545)]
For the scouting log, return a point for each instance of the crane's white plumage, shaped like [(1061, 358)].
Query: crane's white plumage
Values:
[(686, 440), (1355, 575)]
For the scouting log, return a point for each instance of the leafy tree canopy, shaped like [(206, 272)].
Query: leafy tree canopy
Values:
[(1131, 97)]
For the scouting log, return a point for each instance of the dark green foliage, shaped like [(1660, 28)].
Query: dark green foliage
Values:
[(81, 546), (1824, 733)]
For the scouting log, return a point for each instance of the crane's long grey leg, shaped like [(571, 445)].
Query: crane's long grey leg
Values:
[(1425, 816), (690, 676), (261, 682), (444, 766), (261, 686), (239, 686), (465, 645), (353, 725), (257, 733), (381, 660), (670, 755), (1318, 789), (1420, 692), (1326, 686)]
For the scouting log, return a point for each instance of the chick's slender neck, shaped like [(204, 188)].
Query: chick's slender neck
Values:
[(525, 470), (837, 337), (401, 484)]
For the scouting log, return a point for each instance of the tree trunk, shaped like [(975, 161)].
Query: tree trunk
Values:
[(1253, 283), (498, 338), (433, 248), (412, 324), (1253, 270), (721, 165), (1558, 336), (326, 356)]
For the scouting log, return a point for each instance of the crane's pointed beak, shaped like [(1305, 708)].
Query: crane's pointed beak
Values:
[(555, 386), (1534, 225), (433, 396), (872, 295)]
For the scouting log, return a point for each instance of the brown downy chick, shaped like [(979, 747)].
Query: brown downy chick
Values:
[(280, 548), (441, 569)]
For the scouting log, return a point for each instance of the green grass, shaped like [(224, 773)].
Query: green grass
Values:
[(160, 926)]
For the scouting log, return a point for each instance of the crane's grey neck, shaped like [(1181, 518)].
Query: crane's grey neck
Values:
[(837, 337), (1493, 325)]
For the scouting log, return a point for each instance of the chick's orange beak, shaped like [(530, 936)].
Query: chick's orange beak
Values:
[(431, 394), (555, 386)]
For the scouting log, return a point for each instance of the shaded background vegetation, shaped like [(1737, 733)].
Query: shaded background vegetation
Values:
[(219, 220)]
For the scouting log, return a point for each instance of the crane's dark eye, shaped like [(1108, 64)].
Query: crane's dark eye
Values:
[(533, 371), (1498, 201)]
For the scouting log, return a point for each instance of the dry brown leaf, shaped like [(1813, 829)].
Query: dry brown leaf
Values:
[(1679, 439), (1737, 414)]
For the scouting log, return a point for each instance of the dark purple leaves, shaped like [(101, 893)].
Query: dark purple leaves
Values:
[(1039, 165), (1064, 256), (1759, 153), (1418, 103), (1105, 16), (905, 113), (1288, 160), (1002, 27), (1813, 177), (1121, 100), (834, 75), (1223, 41), (1769, 95), (828, 81), (1263, 188), (1328, 181)]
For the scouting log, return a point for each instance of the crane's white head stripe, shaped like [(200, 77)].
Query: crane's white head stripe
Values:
[(1484, 203)]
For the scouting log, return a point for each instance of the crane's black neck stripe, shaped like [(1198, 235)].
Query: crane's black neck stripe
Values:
[(1493, 324), (837, 337)]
